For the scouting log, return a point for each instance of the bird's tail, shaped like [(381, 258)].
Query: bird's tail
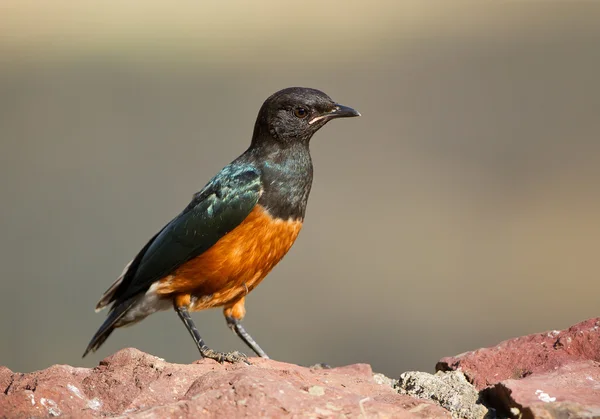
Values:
[(111, 322)]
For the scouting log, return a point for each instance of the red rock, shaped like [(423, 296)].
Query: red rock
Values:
[(5, 377), (572, 390), (534, 354), (137, 385)]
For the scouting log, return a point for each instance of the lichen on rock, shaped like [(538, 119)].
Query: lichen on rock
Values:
[(450, 390)]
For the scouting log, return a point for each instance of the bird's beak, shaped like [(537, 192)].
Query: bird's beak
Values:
[(338, 111), (341, 111)]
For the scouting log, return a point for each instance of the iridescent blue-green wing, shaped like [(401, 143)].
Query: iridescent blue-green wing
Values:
[(213, 212)]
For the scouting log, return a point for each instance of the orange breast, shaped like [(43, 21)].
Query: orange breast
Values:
[(234, 265)]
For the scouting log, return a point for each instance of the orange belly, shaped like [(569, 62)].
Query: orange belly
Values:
[(234, 265)]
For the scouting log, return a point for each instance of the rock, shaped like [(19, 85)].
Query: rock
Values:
[(546, 375), (534, 354), (383, 380), (133, 384), (451, 390), (570, 391)]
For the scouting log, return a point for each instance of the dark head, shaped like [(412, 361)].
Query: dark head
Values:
[(295, 114)]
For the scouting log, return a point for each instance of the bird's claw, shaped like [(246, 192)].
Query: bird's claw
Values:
[(221, 357)]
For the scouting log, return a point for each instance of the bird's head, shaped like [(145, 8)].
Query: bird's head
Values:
[(296, 113)]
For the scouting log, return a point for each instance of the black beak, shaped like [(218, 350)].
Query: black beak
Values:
[(338, 111), (341, 111)]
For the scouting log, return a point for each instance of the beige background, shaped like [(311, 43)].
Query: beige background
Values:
[(462, 209)]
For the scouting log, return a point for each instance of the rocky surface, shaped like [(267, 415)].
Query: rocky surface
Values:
[(547, 375), (553, 374), (571, 390), (451, 390), (523, 356), (133, 384)]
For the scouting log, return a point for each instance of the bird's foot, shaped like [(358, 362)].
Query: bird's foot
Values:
[(232, 357)]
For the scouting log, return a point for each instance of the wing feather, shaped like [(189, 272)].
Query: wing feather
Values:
[(213, 212)]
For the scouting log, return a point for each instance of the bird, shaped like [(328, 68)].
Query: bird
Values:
[(233, 232)]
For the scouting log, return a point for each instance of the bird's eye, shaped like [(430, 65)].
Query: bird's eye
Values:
[(300, 112)]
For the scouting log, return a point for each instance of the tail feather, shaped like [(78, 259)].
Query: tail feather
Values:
[(116, 313), (108, 295)]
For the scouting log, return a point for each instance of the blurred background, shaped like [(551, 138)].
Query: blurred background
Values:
[(462, 209)]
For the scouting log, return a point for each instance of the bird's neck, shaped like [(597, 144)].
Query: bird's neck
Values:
[(286, 172)]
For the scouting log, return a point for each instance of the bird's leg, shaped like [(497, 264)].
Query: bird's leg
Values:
[(234, 315), (236, 326), (205, 351)]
